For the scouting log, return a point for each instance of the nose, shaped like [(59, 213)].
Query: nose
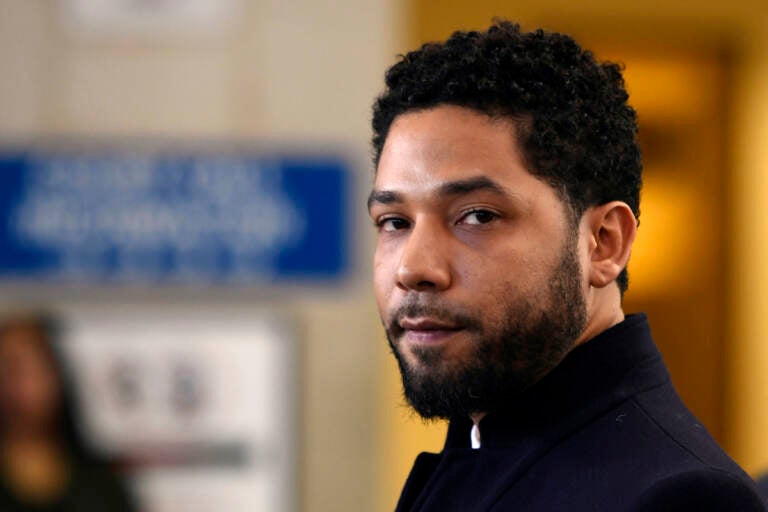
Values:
[(424, 262)]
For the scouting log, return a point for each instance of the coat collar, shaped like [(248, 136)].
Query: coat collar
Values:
[(617, 363)]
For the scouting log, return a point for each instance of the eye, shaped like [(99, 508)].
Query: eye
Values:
[(477, 217), (390, 224)]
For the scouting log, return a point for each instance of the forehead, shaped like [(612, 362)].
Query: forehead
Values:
[(426, 148)]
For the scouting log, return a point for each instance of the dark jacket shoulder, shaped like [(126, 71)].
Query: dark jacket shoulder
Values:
[(704, 490), (604, 431)]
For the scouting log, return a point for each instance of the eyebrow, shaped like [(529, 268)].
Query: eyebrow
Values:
[(462, 187), (451, 188), (384, 197)]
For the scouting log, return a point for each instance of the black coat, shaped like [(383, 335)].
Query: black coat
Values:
[(603, 431)]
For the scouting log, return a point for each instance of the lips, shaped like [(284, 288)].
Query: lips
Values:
[(427, 324), (427, 330)]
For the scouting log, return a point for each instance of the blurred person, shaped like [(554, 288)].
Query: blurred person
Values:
[(506, 202), (45, 465)]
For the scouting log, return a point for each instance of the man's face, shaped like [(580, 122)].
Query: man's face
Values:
[(476, 272)]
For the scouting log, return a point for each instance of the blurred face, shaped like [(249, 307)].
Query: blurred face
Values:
[(29, 388), (476, 274)]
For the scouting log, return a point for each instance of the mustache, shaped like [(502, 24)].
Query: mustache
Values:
[(436, 309)]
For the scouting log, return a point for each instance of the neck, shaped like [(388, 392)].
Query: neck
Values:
[(27, 432), (35, 469), (476, 417), (603, 312), (21, 445)]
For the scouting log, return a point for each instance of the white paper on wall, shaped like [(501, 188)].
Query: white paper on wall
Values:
[(150, 17), (201, 405)]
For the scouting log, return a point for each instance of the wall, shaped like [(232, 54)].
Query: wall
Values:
[(747, 389), (299, 74)]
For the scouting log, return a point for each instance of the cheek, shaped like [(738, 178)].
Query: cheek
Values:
[(383, 278), (507, 277), (32, 392), (40, 392), (584, 260), (507, 268)]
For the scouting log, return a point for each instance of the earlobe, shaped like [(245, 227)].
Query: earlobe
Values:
[(612, 229)]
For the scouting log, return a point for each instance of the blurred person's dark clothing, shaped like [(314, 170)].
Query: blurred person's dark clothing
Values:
[(90, 488), (604, 431), (45, 463)]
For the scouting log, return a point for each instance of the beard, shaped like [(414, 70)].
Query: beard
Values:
[(506, 358)]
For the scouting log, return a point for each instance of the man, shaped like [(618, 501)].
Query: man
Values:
[(506, 201)]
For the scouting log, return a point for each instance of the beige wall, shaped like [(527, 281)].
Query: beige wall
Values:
[(298, 74), (287, 69)]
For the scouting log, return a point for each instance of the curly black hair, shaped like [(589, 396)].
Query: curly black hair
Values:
[(575, 128)]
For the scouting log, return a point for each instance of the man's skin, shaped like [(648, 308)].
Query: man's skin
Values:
[(464, 226)]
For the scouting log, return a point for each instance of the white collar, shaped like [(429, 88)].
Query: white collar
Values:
[(474, 436)]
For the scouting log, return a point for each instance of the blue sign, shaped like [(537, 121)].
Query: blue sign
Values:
[(172, 218)]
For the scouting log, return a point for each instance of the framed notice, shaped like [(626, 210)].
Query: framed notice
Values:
[(171, 217), (200, 404)]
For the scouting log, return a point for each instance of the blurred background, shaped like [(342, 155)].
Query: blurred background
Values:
[(183, 189)]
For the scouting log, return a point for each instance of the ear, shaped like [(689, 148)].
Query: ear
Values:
[(610, 230)]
